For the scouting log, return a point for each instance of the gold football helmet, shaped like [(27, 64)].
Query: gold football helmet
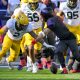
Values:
[(24, 1), (33, 4), (21, 17)]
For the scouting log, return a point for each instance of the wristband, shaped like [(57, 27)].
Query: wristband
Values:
[(34, 42)]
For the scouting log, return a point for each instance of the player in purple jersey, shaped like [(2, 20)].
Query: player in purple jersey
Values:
[(67, 39)]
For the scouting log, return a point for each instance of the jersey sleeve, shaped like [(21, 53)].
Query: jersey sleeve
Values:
[(42, 6), (29, 28), (50, 23), (9, 23)]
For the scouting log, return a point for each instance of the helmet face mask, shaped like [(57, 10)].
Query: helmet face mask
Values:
[(72, 3), (33, 4), (20, 27), (21, 19)]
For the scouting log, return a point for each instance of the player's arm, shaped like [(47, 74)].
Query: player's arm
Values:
[(43, 33), (61, 15), (39, 38), (3, 29), (78, 32)]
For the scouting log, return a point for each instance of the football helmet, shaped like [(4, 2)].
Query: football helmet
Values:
[(21, 17), (47, 13), (33, 4), (24, 1), (72, 3)]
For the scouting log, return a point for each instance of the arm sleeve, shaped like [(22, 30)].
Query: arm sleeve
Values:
[(9, 23), (50, 24), (29, 28)]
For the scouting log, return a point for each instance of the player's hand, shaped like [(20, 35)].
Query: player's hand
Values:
[(61, 15), (49, 46)]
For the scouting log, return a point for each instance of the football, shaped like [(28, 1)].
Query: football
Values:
[(54, 68)]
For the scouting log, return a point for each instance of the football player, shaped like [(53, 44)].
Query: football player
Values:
[(16, 26), (67, 38), (71, 10), (32, 9)]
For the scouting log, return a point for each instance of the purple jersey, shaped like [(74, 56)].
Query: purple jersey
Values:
[(58, 27)]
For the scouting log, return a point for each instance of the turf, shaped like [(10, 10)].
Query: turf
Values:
[(6, 74)]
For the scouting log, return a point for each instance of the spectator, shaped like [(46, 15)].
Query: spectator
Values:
[(0, 24), (3, 7), (12, 5), (1, 36), (3, 4)]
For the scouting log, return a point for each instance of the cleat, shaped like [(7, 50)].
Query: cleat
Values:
[(9, 64), (74, 71), (22, 61), (20, 67), (48, 64), (29, 68), (3, 60), (34, 68), (40, 66), (64, 71), (61, 68), (29, 64), (44, 63)]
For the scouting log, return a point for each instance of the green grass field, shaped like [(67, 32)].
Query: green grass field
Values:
[(6, 74)]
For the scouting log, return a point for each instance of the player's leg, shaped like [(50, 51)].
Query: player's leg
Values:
[(50, 40), (32, 51), (71, 62), (74, 48), (23, 54), (14, 53), (37, 49), (59, 51), (7, 43), (76, 65), (33, 60)]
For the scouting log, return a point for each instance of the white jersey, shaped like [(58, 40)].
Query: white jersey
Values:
[(34, 16), (15, 34), (72, 16)]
